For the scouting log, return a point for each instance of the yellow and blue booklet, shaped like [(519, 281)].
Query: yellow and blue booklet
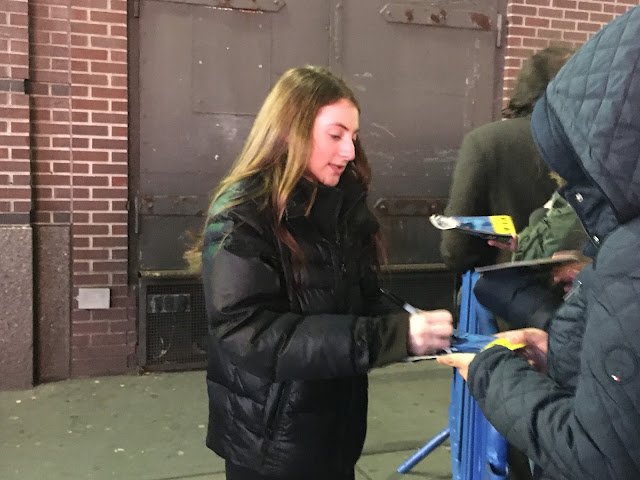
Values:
[(491, 227)]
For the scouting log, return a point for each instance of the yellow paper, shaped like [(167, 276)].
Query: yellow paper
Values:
[(503, 224), (505, 343)]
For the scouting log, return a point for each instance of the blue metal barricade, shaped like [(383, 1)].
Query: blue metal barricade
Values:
[(478, 451)]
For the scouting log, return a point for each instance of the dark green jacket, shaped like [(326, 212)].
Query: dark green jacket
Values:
[(557, 228)]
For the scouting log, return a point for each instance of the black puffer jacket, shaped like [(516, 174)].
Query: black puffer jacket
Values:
[(582, 421), (290, 348)]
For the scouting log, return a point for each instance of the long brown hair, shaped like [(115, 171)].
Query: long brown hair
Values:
[(279, 146)]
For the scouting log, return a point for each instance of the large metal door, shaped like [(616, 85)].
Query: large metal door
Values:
[(423, 71)]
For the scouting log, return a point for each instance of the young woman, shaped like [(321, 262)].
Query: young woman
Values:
[(294, 311)]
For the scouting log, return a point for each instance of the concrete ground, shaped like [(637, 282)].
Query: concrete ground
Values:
[(152, 427)]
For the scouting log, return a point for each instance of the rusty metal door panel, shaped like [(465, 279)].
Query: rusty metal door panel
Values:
[(424, 73), (203, 75)]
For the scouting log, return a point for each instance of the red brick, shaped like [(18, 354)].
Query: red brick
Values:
[(118, 93), (98, 117), (593, 6), (565, 25), (79, 254), (91, 156), (124, 325), (81, 104), (589, 27), (88, 54), (14, 192), (21, 206), (90, 205), (79, 14), (80, 340), (568, 4), (109, 144), (602, 18), (577, 15), (107, 242), (84, 328), (53, 205), (116, 193), (118, 5), (551, 34), (119, 230), (49, 179), (109, 339), (551, 13), (88, 28), (110, 266), (119, 106), (110, 314), (118, 31), (92, 4), (108, 17), (89, 79), (580, 37), (110, 217), (109, 67), (80, 267), (93, 130), (118, 56), (79, 40), (537, 22), (119, 181), (85, 230), (79, 91), (92, 279), (521, 31)]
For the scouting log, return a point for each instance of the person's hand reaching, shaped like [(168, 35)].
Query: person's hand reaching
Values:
[(565, 273), (512, 245), (535, 351), (460, 361), (429, 331)]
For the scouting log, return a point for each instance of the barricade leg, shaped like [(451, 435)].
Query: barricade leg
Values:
[(428, 447)]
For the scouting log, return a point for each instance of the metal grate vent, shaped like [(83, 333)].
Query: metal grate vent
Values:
[(176, 325)]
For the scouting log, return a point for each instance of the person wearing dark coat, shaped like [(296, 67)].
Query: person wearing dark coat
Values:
[(295, 314), (571, 399), (499, 170)]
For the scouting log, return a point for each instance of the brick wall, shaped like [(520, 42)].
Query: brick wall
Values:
[(536, 24), (74, 58), (15, 168)]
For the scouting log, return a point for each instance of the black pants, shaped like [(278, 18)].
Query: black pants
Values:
[(235, 472)]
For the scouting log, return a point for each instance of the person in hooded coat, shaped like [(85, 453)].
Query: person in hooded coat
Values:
[(571, 399)]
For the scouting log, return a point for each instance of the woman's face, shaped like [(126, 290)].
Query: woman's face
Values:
[(334, 131)]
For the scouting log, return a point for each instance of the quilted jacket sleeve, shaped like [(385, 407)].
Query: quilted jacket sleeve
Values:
[(250, 317)]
